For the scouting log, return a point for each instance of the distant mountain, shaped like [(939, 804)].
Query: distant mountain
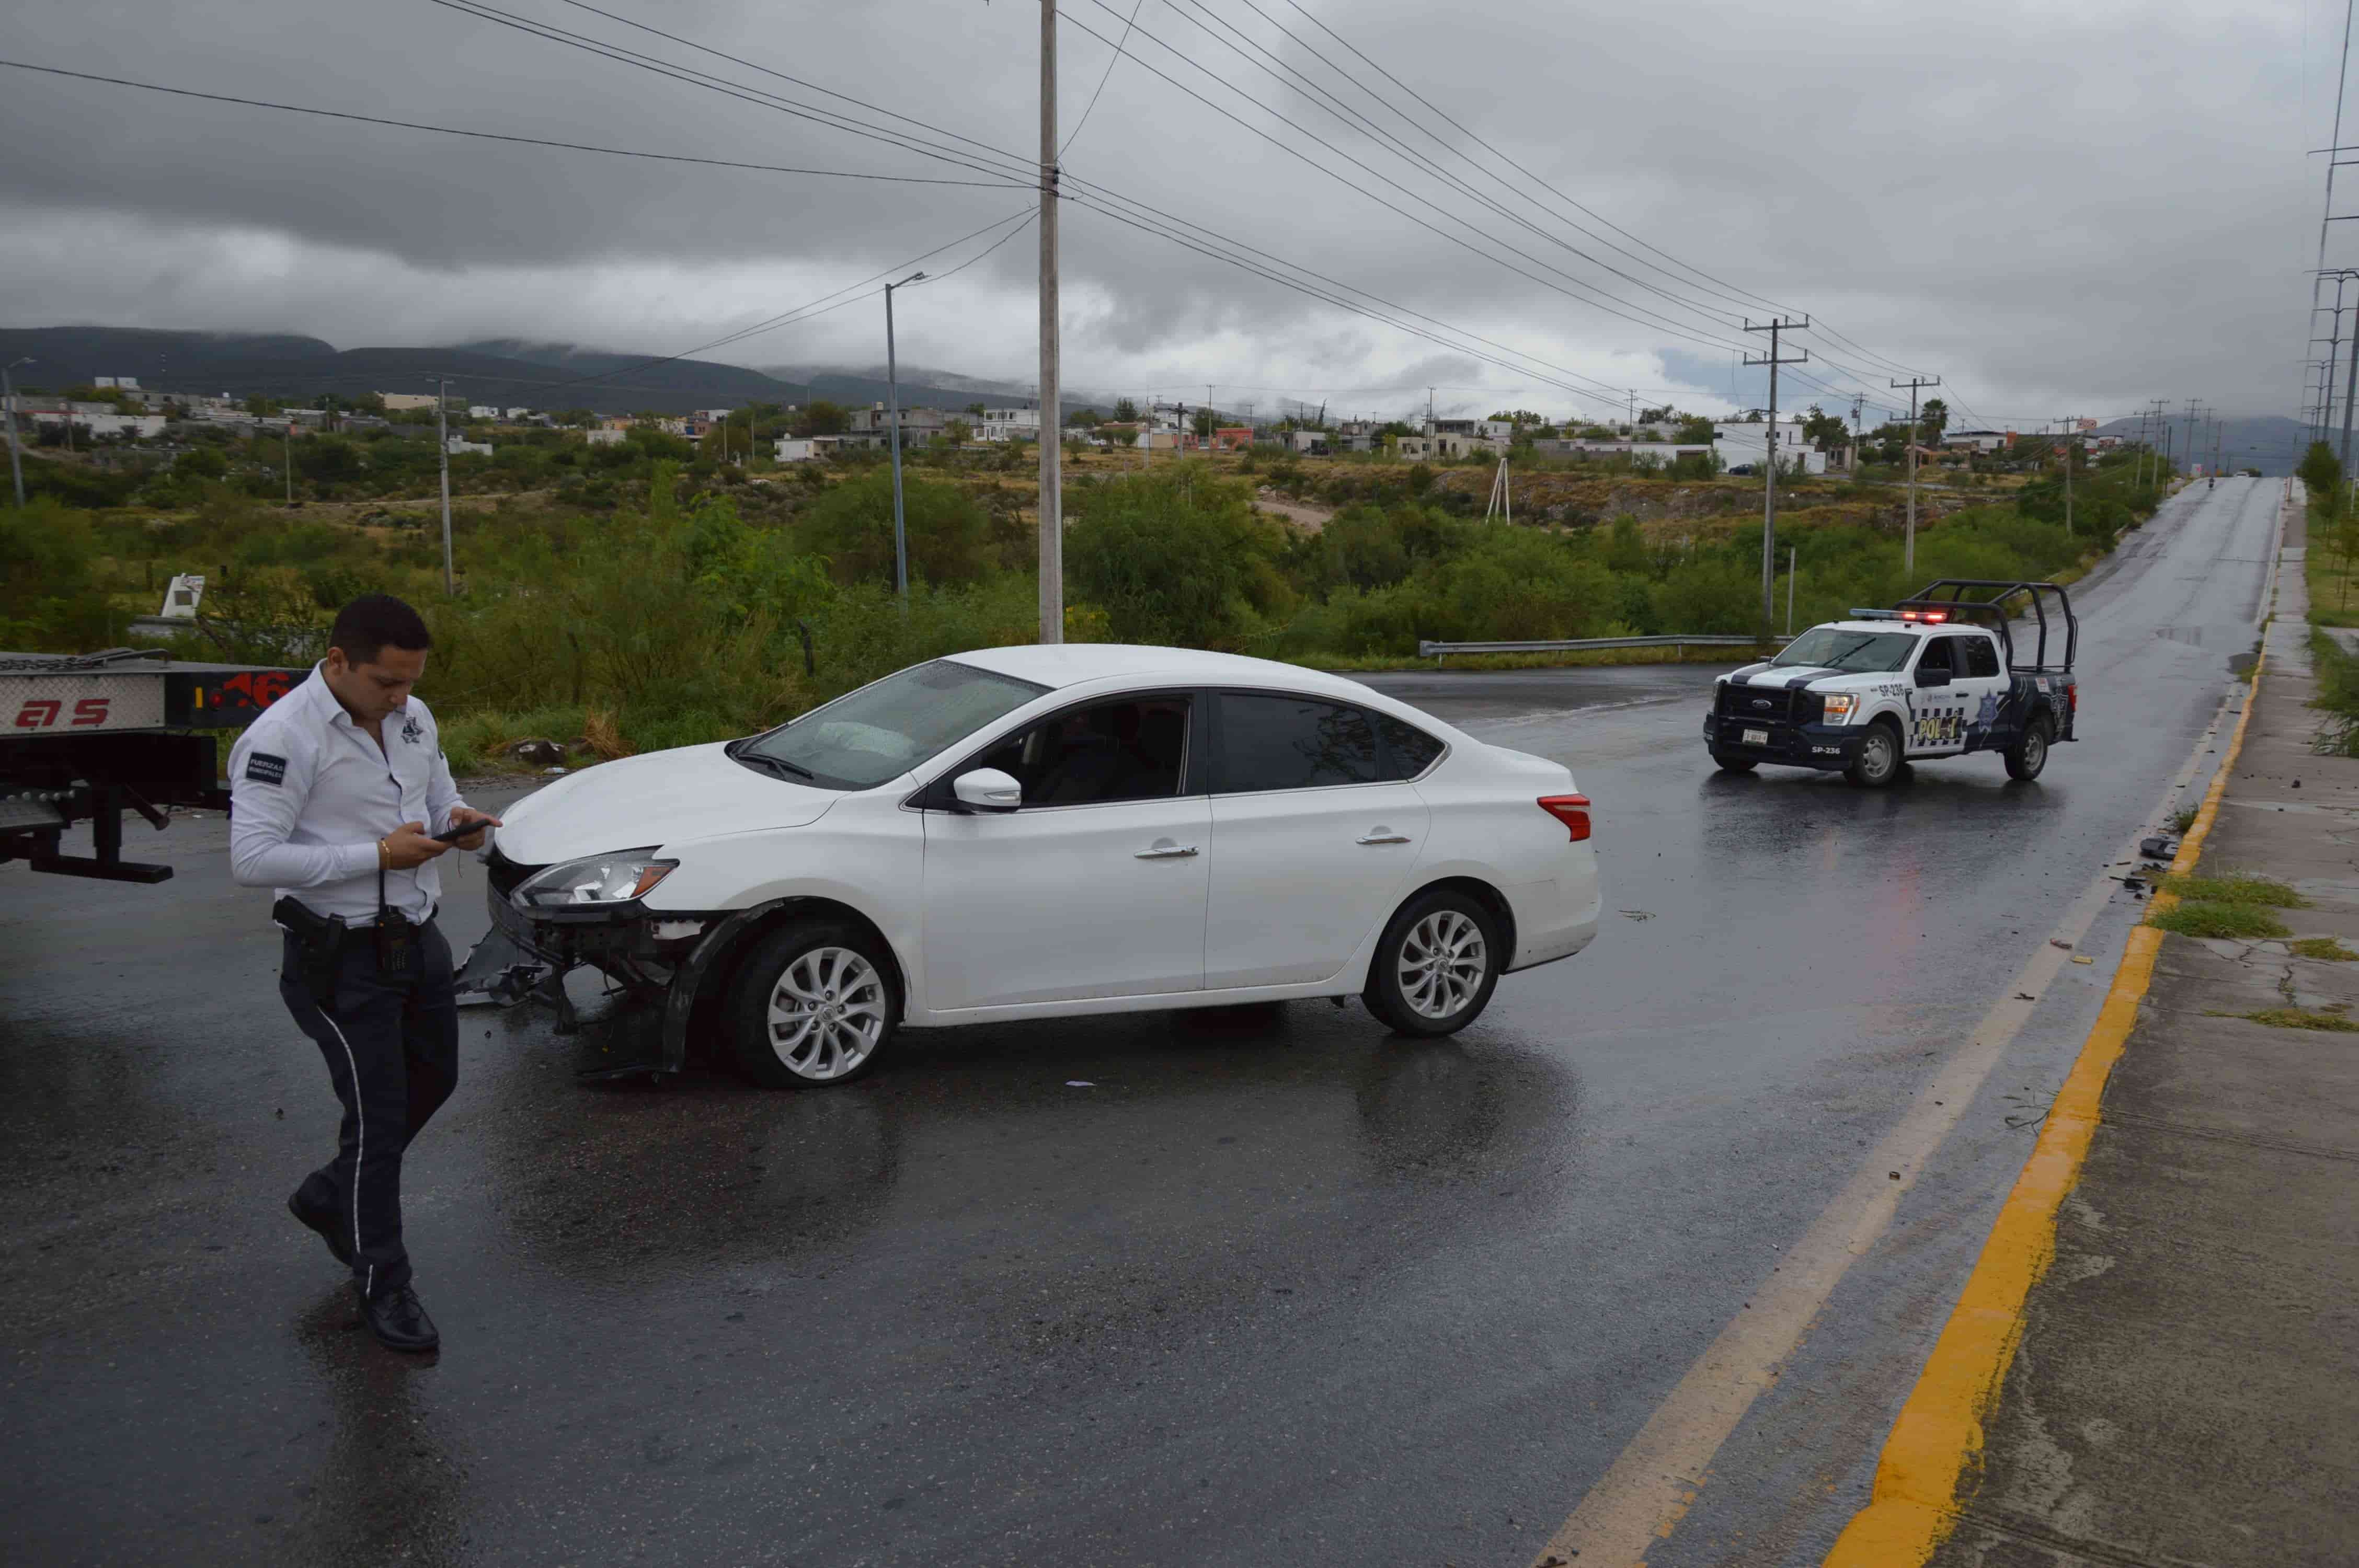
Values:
[(503, 371), (66, 356), (2271, 443)]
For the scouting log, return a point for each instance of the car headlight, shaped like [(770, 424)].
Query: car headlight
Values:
[(1841, 706), (601, 879)]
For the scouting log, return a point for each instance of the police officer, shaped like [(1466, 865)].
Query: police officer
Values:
[(336, 793)]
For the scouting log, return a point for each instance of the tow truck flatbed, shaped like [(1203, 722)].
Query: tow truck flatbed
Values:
[(86, 736)]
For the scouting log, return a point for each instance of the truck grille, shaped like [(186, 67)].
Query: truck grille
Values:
[(1770, 705)]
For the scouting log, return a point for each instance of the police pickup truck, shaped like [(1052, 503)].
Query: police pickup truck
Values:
[(1965, 666)]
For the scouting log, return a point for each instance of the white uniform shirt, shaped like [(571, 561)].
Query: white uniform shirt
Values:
[(310, 794)]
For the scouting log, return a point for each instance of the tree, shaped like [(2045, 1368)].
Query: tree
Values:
[(852, 525), (822, 418), (1081, 419), (1519, 418), (1126, 412), (1695, 430), (2320, 471), (1823, 430), (1931, 420), (1206, 423), (975, 409)]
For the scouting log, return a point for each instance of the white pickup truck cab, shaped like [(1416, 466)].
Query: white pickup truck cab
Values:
[(1965, 665)]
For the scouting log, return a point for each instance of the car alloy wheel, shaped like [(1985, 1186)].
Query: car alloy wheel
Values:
[(814, 1003), (1443, 964), (827, 1013), (1435, 965), (2028, 755)]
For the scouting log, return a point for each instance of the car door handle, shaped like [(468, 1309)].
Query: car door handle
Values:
[(1164, 849), (1383, 835)]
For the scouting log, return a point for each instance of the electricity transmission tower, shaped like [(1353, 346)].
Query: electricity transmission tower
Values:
[(1774, 326)]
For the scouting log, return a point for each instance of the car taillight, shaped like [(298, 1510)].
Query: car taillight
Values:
[(1572, 810)]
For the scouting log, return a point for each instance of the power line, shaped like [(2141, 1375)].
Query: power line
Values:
[(498, 135), (1112, 61)]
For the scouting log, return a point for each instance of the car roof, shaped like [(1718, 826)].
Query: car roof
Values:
[(1070, 664)]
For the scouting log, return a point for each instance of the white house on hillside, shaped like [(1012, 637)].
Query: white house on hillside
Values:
[(1742, 445)]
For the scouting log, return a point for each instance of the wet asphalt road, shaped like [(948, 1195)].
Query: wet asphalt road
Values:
[(1273, 1289)]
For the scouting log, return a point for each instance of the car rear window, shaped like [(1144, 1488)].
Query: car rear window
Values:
[(1408, 751), (1292, 742)]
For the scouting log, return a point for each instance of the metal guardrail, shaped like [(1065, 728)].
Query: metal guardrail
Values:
[(1437, 650)]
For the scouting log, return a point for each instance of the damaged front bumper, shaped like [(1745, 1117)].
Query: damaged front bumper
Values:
[(654, 963)]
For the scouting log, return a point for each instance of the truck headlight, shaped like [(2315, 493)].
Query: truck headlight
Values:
[(602, 879), (1841, 706)]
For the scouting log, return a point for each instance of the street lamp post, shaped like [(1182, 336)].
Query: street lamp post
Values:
[(893, 416), (8, 396)]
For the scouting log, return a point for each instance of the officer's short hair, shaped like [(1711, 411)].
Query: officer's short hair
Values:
[(368, 624)]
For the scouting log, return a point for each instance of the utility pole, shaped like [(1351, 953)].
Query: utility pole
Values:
[(1429, 412), (442, 444), (2194, 406), (1774, 326), (1052, 499), (287, 456), (8, 396), (2071, 427), (1909, 549), (893, 418)]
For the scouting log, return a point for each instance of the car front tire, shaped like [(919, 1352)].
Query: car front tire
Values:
[(813, 1005), (1435, 966), (1728, 764), (1878, 762)]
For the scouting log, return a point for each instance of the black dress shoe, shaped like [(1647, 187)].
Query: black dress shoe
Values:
[(324, 1221), (399, 1320)]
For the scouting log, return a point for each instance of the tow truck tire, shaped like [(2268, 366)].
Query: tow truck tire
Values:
[(1878, 762), (2028, 755), (1435, 965), (1735, 764), (812, 1006)]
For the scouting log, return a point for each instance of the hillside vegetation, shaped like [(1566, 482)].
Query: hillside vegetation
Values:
[(639, 600)]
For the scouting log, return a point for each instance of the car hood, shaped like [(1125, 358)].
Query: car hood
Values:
[(663, 797)]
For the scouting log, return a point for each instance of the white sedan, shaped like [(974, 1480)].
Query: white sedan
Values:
[(1037, 832)]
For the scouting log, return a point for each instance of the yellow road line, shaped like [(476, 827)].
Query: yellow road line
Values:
[(1940, 1431)]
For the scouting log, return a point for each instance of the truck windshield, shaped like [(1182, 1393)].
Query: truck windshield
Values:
[(1862, 652), (884, 730)]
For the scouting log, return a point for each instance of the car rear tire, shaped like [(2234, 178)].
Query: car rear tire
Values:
[(2028, 755), (1735, 764), (813, 1005), (1435, 965), (1878, 762)]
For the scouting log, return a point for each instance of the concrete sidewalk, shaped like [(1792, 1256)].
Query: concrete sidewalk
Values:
[(2186, 1389)]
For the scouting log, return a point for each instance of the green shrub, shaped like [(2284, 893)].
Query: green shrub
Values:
[(2226, 922)]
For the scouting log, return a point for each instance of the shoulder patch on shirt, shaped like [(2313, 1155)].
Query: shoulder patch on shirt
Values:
[(261, 767)]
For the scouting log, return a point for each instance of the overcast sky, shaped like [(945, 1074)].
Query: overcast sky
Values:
[(2056, 210)]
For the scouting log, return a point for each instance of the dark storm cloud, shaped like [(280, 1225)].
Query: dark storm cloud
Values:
[(2057, 212)]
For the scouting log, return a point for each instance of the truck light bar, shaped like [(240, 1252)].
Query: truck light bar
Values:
[(1859, 614)]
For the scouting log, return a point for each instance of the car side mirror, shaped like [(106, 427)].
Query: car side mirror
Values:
[(987, 789), (1933, 677)]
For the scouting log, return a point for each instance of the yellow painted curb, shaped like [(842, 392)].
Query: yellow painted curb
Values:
[(1913, 1507)]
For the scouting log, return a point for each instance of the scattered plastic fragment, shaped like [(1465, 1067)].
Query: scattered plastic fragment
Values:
[(2085, 960), (1079, 1084)]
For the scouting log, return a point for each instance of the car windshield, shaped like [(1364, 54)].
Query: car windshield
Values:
[(1832, 648), (883, 730)]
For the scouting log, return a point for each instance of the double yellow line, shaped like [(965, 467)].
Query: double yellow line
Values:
[(1913, 1507)]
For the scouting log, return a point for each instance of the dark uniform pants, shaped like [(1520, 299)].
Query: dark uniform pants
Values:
[(392, 1048)]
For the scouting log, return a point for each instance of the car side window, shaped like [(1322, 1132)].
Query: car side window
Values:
[(1408, 751), (1980, 655), (1936, 656), (1135, 749), (1277, 741)]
